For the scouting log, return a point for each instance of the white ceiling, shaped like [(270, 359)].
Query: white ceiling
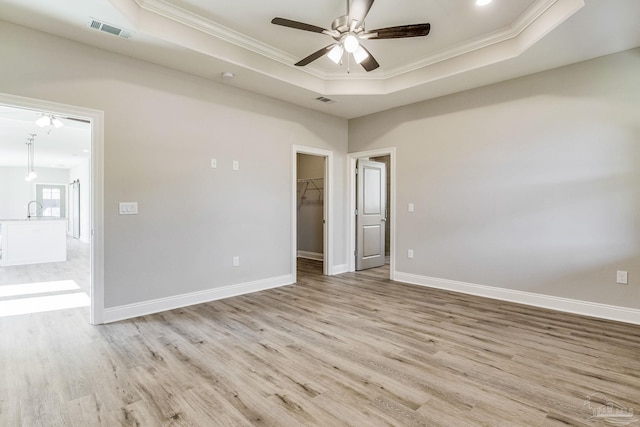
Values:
[(64, 147), (468, 46)]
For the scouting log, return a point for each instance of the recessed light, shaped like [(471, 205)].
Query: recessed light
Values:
[(483, 2)]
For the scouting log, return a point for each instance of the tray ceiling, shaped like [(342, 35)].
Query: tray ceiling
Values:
[(469, 46)]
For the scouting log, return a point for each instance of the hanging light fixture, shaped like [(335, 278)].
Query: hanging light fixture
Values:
[(350, 44), (31, 173), (49, 120)]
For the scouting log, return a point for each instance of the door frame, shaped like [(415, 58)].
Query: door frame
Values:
[(351, 239), (327, 238), (96, 208)]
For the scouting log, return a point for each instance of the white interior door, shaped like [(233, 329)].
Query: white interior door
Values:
[(371, 214)]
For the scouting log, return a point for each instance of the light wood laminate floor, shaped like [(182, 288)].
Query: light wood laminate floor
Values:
[(76, 268), (353, 349)]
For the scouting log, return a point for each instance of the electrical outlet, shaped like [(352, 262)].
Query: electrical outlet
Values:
[(214, 163), (410, 254), (622, 278), (236, 261), (411, 208), (236, 165)]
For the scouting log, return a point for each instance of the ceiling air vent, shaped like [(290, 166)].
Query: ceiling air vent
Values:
[(325, 100), (108, 28)]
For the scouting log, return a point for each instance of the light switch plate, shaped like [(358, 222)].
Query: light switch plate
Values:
[(236, 165), (128, 208), (622, 278)]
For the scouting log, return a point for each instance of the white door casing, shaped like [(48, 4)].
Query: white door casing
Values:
[(96, 118), (371, 214), (327, 207)]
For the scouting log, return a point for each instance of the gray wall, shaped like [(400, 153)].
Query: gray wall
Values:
[(531, 184), (161, 129), (311, 207)]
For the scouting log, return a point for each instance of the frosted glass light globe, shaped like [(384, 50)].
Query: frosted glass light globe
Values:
[(351, 43)]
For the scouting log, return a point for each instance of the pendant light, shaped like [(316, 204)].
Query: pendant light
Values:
[(31, 173)]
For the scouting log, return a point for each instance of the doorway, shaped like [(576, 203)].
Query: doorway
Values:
[(371, 214), (82, 273), (312, 219), (310, 206), (387, 157)]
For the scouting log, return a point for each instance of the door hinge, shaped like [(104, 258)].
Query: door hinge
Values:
[(356, 212), (355, 253)]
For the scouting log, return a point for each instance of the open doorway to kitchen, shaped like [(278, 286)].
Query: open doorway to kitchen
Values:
[(49, 257), (311, 215)]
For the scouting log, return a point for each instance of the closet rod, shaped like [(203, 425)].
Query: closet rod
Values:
[(309, 179)]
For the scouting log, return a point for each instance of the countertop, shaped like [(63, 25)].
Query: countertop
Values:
[(38, 218)]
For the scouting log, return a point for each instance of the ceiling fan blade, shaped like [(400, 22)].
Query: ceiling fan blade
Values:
[(358, 11), (298, 25), (400, 32), (315, 55), (370, 63)]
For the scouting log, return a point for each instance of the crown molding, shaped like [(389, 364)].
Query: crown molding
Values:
[(538, 20), (175, 13)]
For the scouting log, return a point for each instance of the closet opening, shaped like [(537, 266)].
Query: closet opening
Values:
[(311, 209)]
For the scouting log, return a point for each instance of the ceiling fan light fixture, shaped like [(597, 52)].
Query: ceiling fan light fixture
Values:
[(360, 54), (351, 43), (335, 54)]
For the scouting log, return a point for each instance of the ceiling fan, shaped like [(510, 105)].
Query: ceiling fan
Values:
[(348, 30)]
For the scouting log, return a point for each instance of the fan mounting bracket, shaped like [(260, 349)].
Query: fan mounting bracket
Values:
[(343, 26)]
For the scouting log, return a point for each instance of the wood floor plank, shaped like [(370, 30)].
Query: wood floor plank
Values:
[(355, 350)]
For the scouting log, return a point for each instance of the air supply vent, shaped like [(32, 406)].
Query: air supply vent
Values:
[(110, 29), (325, 100)]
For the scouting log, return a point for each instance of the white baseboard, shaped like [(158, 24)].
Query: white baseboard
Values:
[(339, 269), (129, 311), (311, 255), (603, 311)]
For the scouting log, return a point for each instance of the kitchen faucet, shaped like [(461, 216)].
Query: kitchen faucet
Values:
[(29, 208)]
